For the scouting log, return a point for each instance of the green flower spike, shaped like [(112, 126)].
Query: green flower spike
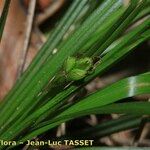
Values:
[(77, 69)]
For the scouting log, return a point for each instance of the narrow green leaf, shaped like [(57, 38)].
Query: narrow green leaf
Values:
[(125, 88), (52, 65), (142, 14), (138, 108), (117, 52), (128, 43), (100, 33), (122, 89), (24, 82), (34, 85), (62, 95), (134, 108), (57, 101), (120, 25)]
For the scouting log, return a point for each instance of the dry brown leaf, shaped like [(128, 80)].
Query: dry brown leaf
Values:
[(11, 46)]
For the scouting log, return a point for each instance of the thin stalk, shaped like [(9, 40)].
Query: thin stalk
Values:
[(29, 25), (4, 17)]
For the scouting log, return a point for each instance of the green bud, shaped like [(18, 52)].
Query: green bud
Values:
[(69, 64), (76, 74), (76, 68), (84, 63)]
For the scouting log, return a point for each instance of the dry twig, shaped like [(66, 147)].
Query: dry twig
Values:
[(30, 16)]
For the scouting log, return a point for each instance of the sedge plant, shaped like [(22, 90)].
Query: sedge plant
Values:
[(104, 34)]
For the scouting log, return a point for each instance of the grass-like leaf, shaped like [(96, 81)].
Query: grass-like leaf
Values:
[(93, 104), (29, 89), (100, 34)]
